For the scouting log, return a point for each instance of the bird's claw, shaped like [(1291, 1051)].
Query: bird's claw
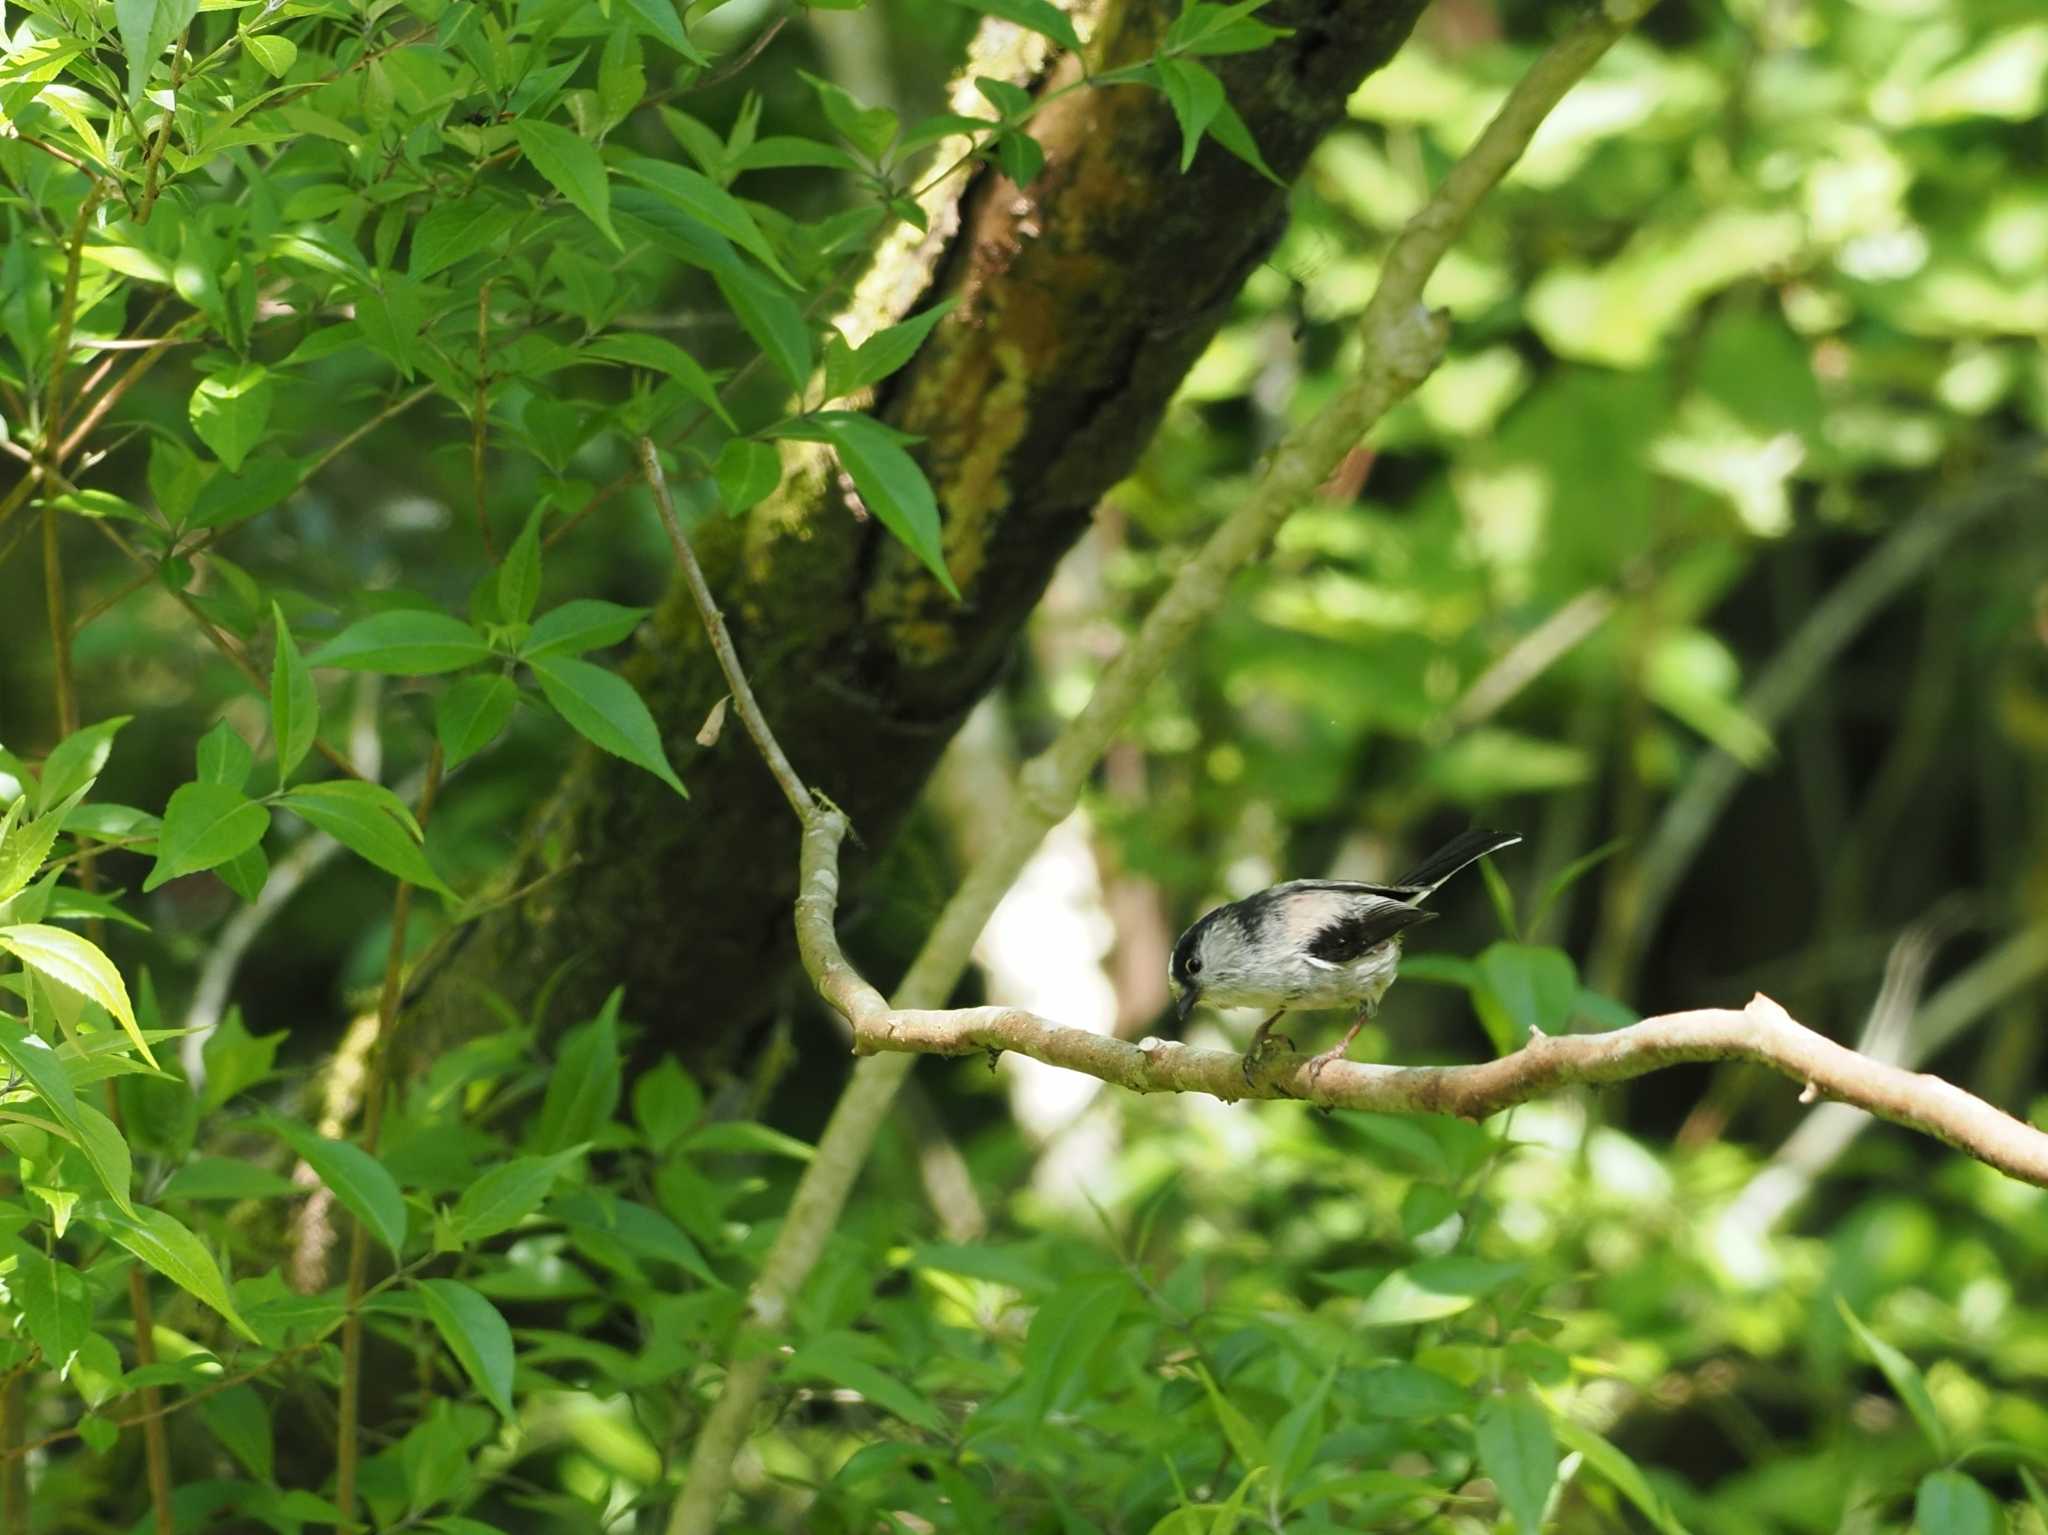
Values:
[(1317, 1064), (1255, 1056)]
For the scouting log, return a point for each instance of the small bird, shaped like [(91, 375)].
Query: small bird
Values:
[(1313, 943)]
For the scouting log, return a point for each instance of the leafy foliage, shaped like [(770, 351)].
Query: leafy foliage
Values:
[(351, 315)]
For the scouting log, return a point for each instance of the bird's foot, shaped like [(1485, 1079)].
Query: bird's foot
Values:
[(1317, 1063), (1255, 1055)]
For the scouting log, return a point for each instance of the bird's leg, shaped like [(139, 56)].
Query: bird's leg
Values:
[(1337, 1051), (1262, 1036)]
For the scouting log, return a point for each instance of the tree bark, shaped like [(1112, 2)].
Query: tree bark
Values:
[(1083, 300)]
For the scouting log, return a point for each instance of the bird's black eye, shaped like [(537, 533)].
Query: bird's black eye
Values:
[(1195, 965)]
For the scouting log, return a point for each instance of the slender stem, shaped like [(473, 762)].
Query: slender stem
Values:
[(155, 1444), (154, 162), (14, 1479), (229, 648), (479, 424), (127, 381), (743, 698), (347, 1431), (67, 320)]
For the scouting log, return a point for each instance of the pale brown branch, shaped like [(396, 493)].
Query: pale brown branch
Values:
[(1763, 1032), (743, 699)]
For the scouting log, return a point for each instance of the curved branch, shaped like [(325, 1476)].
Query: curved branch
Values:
[(1762, 1032)]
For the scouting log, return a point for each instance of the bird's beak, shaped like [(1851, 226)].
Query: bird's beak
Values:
[(1185, 1002)]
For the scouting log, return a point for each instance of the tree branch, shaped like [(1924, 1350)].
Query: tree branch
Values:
[(1762, 1032)]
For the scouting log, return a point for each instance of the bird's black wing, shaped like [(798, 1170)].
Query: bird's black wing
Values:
[(1366, 926)]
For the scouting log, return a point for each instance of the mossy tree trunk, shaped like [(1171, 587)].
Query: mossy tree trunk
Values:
[(1083, 300)]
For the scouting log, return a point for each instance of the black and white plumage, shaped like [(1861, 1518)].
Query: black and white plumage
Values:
[(1314, 943)]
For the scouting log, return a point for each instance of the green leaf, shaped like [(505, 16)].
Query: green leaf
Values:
[(475, 1334), (235, 1059), (833, 1359), (453, 232), (748, 1138), (1433, 1289), (1517, 1449), (273, 51), (240, 1420), (888, 480), (69, 960), (356, 1178), (581, 624), (1905, 1378), (1525, 989), (1195, 95), (709, 203), (38, 1065), (471, 714), (224, 757), (294, 705), (748, 472), (1034, 15), (146, 28), (205, 824), (226, 499), (519, 576), (506, 1195), (1067, 1335), (572, 167), (621, 77), (659, 19), (106, 1152), (408, 642), (658, 353), (1954, 1503), (230, 410), (1229, 130), (870, 130), (75, 762), (583, 1089), (162, 1241), (602, 707), (1407, 1392), (25, 845), (770, 316), (1626, 1476), (370, 821), (1295, 1437), (848, 368), (1246, 1442), (56, 1305), (666, 1102)]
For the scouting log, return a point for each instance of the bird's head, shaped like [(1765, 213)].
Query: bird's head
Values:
[(1205, 962)]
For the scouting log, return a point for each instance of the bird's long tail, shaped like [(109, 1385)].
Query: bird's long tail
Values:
[(1466, 847)]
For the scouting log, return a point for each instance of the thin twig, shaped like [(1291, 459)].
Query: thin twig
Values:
[(67, 320), (155, 1444), (749, 707), (154, 162), (347, 1429), (229, 648), (479, 424)]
